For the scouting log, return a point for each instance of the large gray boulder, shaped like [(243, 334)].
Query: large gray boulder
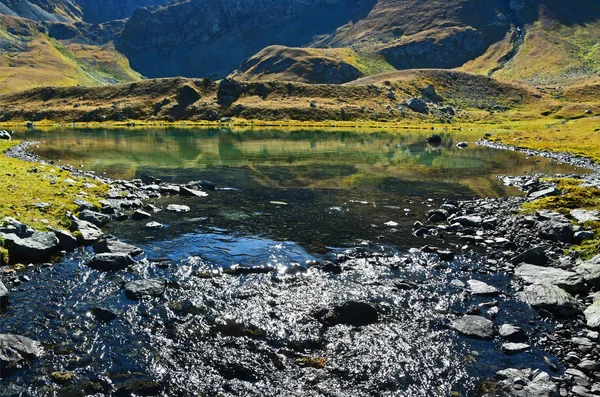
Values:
[(567, 280), (15, 349), (88, 232), (114, 246), (66, 241), (416, 104), (145, 288), (110, 262), (475, 327), (552, 299), (95, 218), (25, 243), (526, 383)]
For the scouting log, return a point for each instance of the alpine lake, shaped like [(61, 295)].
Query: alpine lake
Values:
[(284, 200)]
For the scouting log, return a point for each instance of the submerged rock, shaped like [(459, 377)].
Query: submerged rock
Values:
[(114, 246), (111, 262), (512, 333), (514, 348), (103, 314), (552, 299), (350, 313), (472, 326), (145, 288)]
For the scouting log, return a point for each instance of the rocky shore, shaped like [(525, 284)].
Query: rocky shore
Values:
[(529, 250)]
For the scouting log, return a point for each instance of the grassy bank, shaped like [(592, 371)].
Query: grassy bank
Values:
[(40, 195)]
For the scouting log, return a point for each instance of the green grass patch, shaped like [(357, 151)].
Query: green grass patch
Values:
[(40, 195)]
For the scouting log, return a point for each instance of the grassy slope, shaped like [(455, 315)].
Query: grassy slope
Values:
[(35, 60)]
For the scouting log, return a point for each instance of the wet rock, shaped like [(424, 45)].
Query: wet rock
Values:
[(88, 232), (24, 243), (96, 218), (469, 220), (542, 192), (110, 262), (139, 215), (145, 288), (169, 189), (149, 208), (438, 215), (154, 225), (526, 383), (66, 241), (445, 255), (480, 288), (592, 315), (512, 333), (187, 191), (103, 314), (567, 280), (476, 327), (514, 348), (139, 388), (552, 299), (238, 270), (147, 179), (3, 297), (114, 246), (534, 256), (350, 313), (178, 208), (16, 348)]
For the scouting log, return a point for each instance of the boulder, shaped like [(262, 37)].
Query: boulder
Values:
[(542, 192), (526, 383), (114, 246), (583, 216), (434, 139), (88, 232), (429, 94), (3, 297), (145, 288), (590, 271), (66, 241), (154, 225), (592, 315), (139, 215), (514, 348), (475, 327), (416, 104), (480, 288), (353, 313), (178, 208), (110, 262), (462, 145), (15, 349), (187, 191), (534, 256), (552, 299), (95, 218), (469, 220), (25, 244), (102, 314), (512, 333), (567, 280), (556, 230)]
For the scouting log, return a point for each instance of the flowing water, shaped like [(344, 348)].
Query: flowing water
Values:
[(284, 200)]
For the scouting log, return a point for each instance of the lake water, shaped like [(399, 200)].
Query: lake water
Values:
[(284, 199)]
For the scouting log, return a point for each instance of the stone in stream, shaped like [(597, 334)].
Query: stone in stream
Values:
[(476, 327), (139, 215), (16, 348), (94, 217), (512, 333), (3, 297), (178, 208), (526, 383), (514, 348), (552, 299), (110, 262), (353, 313), (186, 191), (66, 241), (114, 246), (88, 232), (480, 288), (534, 256), (145, 288), (567, 280), (154, 225), (103, 314)]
